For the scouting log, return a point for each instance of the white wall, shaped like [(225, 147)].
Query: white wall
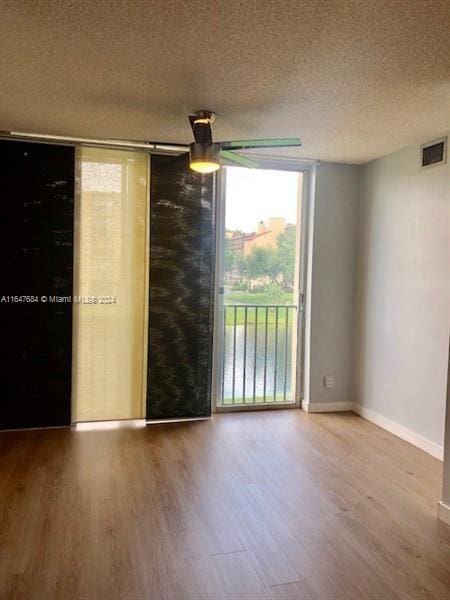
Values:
[(402, 316), (332, 291), (446, 483)]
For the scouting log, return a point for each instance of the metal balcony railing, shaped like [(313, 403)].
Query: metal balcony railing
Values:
[(257, 354)]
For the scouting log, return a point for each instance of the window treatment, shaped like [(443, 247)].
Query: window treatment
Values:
[(36, 247), (110, 284), (182, 244)]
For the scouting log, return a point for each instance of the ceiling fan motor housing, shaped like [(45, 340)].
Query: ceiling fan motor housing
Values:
[(204, 152)]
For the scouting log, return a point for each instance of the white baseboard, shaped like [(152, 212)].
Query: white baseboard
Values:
[(444, 512), (322, 407), (400, 431)]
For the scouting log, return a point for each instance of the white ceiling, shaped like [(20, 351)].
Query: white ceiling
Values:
[(354, 79)]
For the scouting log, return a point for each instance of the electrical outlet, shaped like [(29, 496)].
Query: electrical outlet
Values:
[(328, 382)]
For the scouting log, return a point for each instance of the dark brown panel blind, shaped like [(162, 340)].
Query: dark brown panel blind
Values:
[(36, 265), (182, 241)]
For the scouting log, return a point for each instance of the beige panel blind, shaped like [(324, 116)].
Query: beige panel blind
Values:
[(110, 284)]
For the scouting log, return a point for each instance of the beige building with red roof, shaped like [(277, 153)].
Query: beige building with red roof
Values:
[(264, 237)]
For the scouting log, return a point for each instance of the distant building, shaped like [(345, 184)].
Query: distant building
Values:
[(264, 237), (243, 243)]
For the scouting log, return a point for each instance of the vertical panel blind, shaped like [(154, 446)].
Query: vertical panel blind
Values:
[(110, 284), (182, 240), (36, 247)]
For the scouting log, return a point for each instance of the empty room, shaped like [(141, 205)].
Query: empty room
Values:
[(224, 300)]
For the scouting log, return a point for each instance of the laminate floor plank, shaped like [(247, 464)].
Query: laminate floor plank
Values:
[(250, 506), (291, 591)]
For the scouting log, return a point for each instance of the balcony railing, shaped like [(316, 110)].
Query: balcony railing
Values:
[(257, 365)]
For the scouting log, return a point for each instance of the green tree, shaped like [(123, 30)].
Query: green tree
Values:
[(231, 257), (274, 266), (275, 294), (286, 255), (262, 263)]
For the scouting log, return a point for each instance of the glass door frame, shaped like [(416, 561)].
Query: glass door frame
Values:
[(307, 168)]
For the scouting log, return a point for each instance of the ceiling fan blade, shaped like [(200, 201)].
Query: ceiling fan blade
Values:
[(274, 143), (240, 160)]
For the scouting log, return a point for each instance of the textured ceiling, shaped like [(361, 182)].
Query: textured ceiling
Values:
[(354, 79)]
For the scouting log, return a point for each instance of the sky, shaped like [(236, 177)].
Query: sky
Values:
[(254, 195)]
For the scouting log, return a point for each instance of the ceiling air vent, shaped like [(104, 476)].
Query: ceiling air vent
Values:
[(434, 153)]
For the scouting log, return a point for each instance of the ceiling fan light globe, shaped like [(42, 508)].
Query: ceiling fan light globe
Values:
[(204, 166)]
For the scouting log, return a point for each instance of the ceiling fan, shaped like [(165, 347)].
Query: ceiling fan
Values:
[(206, 156)]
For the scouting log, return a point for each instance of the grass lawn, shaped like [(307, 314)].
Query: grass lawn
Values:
[(257, 298), (251, 316)]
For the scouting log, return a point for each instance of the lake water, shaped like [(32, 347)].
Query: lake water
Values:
[(254, 385)]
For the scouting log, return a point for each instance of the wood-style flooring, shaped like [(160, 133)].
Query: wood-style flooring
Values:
[(280, 505)]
